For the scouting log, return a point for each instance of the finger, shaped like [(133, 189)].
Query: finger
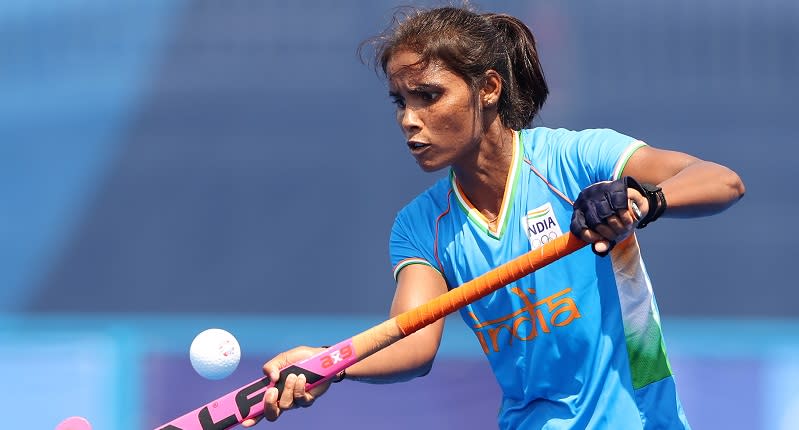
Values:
[(287, 396), (299, 387), (606, 232), (596, 212), (301, 397), (601, 247), (617, 225), (604, 208), (635, 195), (271, 410), (640, 201), (590, 236), (249, 422), (628, 217), (272, 371), (273, 366), (578, 223)]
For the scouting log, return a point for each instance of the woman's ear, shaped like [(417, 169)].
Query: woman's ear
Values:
[(491, 89)]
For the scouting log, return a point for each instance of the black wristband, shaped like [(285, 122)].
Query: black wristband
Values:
[(654, 195), (340, 376)]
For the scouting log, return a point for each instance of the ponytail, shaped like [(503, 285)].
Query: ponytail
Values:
[(525, 89)]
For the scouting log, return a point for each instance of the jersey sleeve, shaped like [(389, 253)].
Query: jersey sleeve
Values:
[(408, 245), (601, 153)]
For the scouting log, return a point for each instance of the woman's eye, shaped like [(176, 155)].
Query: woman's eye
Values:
[(429, 97), (418, 97)]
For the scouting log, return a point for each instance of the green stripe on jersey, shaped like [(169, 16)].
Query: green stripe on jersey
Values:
[(647, 353), (410, 261), (646, 350), (625, 157)]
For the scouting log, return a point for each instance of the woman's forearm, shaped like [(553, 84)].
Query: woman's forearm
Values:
[(692, 187), (701, 188), (406, 359)]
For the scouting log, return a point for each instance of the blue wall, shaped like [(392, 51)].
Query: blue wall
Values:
[(158, 153)]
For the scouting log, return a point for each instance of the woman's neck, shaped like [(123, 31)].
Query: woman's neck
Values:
[(483, 179)]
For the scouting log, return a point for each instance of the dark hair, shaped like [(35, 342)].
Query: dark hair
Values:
[(469, 44)]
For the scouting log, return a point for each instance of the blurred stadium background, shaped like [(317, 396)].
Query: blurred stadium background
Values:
[(170, 166)]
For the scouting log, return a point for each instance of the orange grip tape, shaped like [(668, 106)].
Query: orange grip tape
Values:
[(479, 287)]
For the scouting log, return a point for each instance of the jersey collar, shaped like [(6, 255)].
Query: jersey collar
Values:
[(511, 185)]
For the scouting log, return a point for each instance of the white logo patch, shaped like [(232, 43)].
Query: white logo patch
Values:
[(540, 225)]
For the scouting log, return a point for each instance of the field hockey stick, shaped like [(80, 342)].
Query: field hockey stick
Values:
[(247, 402)]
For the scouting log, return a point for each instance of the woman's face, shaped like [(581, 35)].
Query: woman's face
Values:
[(435, 110)]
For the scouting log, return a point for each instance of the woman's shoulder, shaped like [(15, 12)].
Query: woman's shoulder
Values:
[(555, 134), (545, 140)]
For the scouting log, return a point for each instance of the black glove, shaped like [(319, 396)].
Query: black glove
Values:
[(598, 202)]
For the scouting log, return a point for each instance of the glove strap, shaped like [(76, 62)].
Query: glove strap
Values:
[(654, 195)]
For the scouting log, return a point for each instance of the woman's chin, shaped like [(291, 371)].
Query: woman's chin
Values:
[(430, 167)]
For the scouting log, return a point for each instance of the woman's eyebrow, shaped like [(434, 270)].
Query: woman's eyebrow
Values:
[(417, 88), (425, 87)]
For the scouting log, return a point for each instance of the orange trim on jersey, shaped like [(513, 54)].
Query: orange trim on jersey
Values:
[(435, 241), (513, 172)]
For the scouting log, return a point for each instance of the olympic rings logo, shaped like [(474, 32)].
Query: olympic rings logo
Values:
[(537, 242)]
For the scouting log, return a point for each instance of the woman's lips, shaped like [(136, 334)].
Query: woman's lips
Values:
[(417, 147)]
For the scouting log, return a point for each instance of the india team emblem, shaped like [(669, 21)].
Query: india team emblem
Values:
[(541, 226)]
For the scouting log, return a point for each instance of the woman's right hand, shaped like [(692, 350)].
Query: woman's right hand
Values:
[(294, 394)]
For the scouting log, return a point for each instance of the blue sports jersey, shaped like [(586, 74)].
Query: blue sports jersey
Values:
[(577, 344)]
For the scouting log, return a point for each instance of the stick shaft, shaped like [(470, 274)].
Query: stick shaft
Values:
[(487, 283)]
